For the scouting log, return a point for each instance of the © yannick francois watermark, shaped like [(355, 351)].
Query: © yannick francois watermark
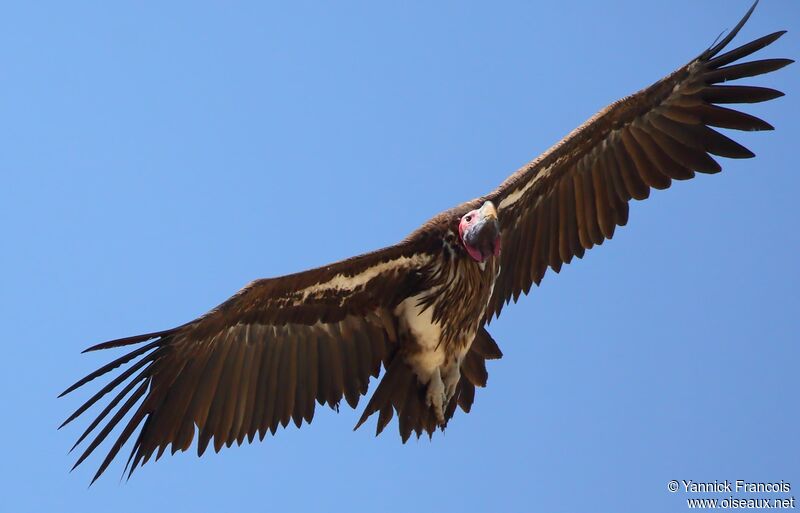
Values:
[(738, 494)]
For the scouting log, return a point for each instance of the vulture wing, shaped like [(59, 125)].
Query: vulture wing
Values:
[(260, 359), (573, 196)]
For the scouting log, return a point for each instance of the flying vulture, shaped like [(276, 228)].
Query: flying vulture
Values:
[(419, 309)]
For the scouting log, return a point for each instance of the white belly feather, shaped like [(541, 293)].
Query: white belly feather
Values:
[(427, 334)]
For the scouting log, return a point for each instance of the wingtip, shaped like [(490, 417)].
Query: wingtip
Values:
[(68, 390), (95, 347), (728, 38), (135, 339)]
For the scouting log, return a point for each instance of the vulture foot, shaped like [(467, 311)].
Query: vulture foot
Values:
[(436, 396)]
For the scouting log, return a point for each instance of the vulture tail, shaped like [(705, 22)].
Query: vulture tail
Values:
[(400, 392)]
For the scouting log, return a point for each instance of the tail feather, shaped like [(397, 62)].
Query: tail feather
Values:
[(399, 392)]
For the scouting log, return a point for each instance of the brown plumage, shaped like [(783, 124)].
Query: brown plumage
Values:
[(268, 355)]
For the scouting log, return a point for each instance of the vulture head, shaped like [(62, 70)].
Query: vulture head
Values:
[(479, 231)]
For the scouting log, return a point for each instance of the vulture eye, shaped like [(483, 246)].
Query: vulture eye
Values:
[(468, 218)]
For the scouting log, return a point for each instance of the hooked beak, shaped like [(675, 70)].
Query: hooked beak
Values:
[(483, 239)]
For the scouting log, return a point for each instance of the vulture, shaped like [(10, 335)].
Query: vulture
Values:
[(417, 311)]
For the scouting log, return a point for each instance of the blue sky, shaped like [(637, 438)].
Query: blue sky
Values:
[(156, 158)]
